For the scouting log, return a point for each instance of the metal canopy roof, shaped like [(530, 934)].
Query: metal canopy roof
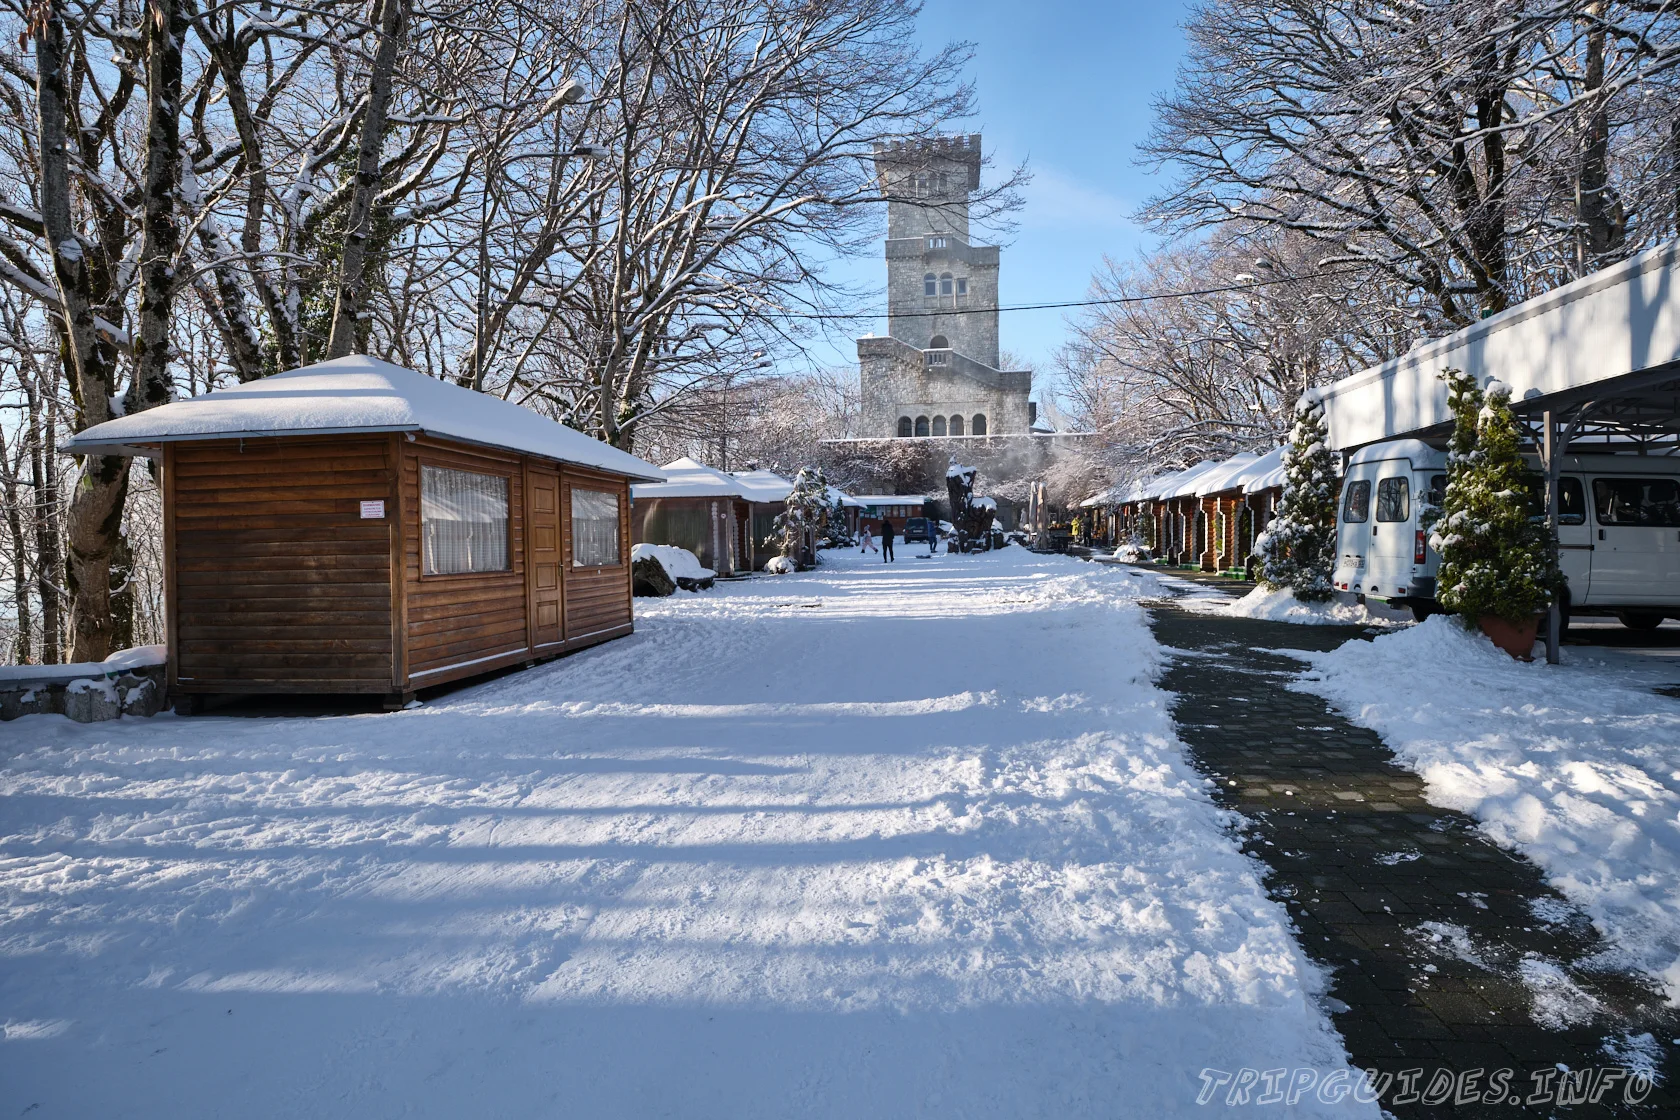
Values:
[(1602, 352)]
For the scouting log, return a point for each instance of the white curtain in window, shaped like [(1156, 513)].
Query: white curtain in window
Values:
[(463, 521), (594, 528)]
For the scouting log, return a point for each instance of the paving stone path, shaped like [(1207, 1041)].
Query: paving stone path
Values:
[(1428, 929)]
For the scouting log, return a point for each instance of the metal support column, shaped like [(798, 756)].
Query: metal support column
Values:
[(1549, 458)]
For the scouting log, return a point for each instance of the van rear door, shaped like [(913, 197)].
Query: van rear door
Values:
[(1636, 553), (1353, 536), (1388, 564)]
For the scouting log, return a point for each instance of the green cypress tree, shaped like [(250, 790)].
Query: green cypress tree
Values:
[(803, 517), (1298, 549), (1495, 556)]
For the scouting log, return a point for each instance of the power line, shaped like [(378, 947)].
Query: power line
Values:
[(1111, 302)]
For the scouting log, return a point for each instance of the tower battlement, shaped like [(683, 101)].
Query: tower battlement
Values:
[(896, 161), (938, 368)]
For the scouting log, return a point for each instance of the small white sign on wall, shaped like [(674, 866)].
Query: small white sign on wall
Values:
[(374, 510)]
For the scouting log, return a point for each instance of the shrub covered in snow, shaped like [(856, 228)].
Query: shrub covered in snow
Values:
[(780, 566), (1298, 549), (1495, 557)]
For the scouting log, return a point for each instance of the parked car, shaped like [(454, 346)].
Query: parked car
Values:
[(1618, 532), (921, 529)]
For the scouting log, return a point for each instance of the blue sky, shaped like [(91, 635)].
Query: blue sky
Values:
[(1067, 86)]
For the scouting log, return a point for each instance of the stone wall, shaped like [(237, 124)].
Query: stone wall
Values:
[(896, 380)]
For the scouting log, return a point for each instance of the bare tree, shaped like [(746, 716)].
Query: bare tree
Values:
[(1474, 152)]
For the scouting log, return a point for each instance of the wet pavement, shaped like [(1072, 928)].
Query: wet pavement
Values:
[(1445, 952)]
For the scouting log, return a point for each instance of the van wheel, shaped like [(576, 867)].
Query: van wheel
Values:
[(1423, 608), (1639, 620)]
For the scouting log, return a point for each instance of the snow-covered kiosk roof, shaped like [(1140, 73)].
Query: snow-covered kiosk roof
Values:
[(1611, 339), (1184, 485), (1263, 473), (837, 496), (357, 394), (1225, 475), (690, 478), (763, 486)]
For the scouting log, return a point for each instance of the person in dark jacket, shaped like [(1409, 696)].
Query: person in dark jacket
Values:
[(886, 540)]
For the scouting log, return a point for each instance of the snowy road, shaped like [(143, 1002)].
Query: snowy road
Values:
[(913, 840)]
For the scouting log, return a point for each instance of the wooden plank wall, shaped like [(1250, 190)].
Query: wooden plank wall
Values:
[(277, 584), (598, 604), (462, 624)]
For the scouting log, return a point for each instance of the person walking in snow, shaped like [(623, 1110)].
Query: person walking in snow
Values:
[(886, 540), (868, 542)]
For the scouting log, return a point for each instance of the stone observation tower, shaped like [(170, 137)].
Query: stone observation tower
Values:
[(936, 373)]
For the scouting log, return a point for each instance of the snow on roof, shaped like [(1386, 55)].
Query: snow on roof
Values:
[(1419, 453), (1184, 485), (840, 497), (358, 394), (1225, 475), (1266, 473), (763, 486), (689, 478), (1260, 467), (1621, 320), (891, 499)]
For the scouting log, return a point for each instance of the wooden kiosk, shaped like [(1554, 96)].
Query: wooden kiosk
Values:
[(353, 526)]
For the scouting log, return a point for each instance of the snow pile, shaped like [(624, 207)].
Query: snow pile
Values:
[(126, 660), (679, 563), (780, 566), (1132, 553), (896, 846), (1574, 765), (1280, 605)]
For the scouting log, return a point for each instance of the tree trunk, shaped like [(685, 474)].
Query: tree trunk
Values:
[(96, 508), (1603, 226), (352, 265), (160, 242), (43, 480), (13, 466)]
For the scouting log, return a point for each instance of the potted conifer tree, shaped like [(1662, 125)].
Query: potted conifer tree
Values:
[(1497, 569), (1298, 549)]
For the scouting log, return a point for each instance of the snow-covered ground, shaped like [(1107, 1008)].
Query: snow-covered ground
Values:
[(1577, 765), (877, 840)]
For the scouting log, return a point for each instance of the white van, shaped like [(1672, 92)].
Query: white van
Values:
[(1618, 531)]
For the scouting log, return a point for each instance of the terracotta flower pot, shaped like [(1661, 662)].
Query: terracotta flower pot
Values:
[(1515, 638)]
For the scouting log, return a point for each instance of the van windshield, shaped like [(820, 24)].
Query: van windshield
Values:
[(1647, 502), (1356, 503)]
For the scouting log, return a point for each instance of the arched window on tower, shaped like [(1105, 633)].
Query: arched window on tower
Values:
[(922, 185), (979, 427), (921, 425), (930, 285), (939, 342), (904, 427), (939, 425), (944, 183), (944, 283), (957, 424)]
